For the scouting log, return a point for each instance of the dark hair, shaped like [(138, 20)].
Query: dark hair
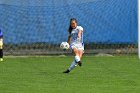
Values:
[(70, 28)]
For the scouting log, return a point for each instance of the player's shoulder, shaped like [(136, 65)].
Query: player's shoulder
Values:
[(80, 28)]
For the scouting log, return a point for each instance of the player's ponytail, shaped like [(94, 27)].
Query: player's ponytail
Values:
[(70, 28)]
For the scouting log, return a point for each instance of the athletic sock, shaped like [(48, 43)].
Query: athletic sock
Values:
[(73, 64), (77, 59)]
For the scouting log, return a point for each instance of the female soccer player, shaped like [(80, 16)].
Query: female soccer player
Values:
[(1, 45), (75, 40)]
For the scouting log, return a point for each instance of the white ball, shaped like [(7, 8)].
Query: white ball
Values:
[(64, 45)]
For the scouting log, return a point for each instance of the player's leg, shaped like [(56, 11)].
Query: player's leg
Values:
[(80, 55), (81, 52), (78, 52), (72, 66), (74, 63), (1, 49)]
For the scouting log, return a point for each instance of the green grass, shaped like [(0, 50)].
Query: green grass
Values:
[(44, 75)]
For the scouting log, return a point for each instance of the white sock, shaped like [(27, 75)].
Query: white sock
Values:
[(77, 58), (73, 64)]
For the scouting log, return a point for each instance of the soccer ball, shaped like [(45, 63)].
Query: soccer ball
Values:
[(64, 45)]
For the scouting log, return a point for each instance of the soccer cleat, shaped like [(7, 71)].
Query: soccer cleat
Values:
[(67, 71), (80, 63)]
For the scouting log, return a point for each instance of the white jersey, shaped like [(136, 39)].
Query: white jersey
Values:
[(74, 35), (75, 41)]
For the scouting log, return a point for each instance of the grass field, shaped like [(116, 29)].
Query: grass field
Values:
[(44, 75)]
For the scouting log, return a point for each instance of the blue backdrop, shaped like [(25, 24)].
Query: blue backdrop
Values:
[(104, 21)]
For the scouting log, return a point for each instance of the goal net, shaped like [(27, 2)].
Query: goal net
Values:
[(37, 27)]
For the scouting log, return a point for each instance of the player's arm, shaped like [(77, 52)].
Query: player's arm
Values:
[(79, 33)]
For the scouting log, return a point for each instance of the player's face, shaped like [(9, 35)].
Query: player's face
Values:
[(73, 24)]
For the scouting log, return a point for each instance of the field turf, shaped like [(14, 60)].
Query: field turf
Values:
[(120, 74)]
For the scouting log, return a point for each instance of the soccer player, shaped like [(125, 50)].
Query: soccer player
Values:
[(75, 40), (1, 45)]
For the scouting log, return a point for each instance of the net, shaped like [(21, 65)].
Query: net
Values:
[(39, 26)]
